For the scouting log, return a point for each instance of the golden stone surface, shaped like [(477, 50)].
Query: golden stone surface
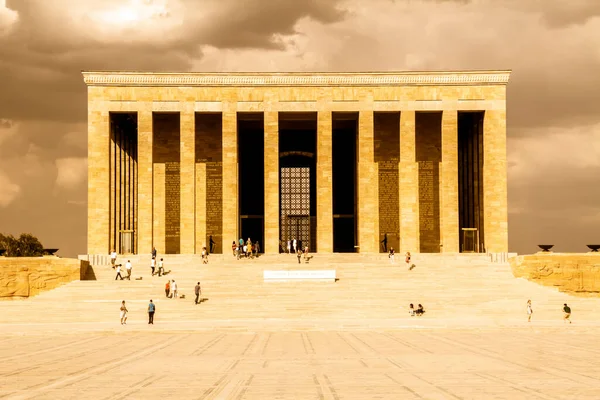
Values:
[(573, 272), (365, 93), (29, 276)]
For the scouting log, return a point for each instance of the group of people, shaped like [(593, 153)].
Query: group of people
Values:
[(566, 312), (293, 246), (406, 258), (247, 249), (418, 312), (124, 311), (170, 291)]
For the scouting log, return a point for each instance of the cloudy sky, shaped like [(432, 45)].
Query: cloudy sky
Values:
[(552, 46)]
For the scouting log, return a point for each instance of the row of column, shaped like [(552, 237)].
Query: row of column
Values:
[(495, 206)]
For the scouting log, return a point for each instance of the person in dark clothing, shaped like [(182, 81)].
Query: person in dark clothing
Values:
[(151, 310), (567, 311), (211, 244), (419, 311), (384, 242), (298, 254), (197, 290)]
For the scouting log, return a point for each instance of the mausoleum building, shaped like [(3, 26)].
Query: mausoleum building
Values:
[(338, 161)]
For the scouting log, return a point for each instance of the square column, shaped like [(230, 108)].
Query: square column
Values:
[(271, 244), (409, 185), (159, 212), (187, 179), (230, 175), (324, 183), (368, 186), (99, 182), (495, 203), (449, 233), (145, 175), (201, 208)]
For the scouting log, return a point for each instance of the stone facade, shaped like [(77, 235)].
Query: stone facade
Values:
[(187, 161), (573, 273), (28, 276)]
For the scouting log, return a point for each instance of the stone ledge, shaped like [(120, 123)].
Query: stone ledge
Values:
[(576, 273), (28, 276), (131, 78)]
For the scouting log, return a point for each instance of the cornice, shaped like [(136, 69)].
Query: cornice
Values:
[(442, 78)]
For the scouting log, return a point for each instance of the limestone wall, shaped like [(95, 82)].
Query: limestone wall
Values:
[(28, 276), (569, 272)]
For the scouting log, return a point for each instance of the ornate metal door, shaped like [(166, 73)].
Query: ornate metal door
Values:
[(295, 206)]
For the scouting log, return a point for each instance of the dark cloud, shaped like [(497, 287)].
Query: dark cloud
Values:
[(553, 96), (256, 22)]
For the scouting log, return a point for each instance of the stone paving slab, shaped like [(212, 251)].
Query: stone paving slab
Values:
[(528, 362)]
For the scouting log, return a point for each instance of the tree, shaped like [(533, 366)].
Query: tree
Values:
[(26, 245)]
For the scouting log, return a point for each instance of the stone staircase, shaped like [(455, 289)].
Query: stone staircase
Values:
[(371, 293)]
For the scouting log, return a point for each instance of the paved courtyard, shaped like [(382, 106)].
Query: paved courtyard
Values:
[(517, 363)]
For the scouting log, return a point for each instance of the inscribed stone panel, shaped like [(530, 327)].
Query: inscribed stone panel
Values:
[(172, 208), (428, 141), (429, 206), (387, 155), (214, 204)]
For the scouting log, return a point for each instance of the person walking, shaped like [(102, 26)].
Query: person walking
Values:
[(153, 265), (299, 255), (119, 272), (168, 288), (257, 248), (151, 310), (407, 259), (154, 252), (128, 269), (161, 268), (567, 313), (384, 242), (529, 311), (204, 256), (123, 313), (197, 291), (113, 258), (211, 244), (391, 255)]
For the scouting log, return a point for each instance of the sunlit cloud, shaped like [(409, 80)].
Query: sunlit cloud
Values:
[(8, 18)]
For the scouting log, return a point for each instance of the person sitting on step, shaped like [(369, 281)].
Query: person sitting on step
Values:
[(411, 310), (420, 311)]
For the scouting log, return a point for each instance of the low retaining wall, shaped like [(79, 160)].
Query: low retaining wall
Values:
[(28, 276), (569, 272)]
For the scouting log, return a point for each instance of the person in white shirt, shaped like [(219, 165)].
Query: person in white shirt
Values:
[(113, 258), (174, 288), (153, 265), (294, 245), (161, 268), (128, 269), (118, 273)]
